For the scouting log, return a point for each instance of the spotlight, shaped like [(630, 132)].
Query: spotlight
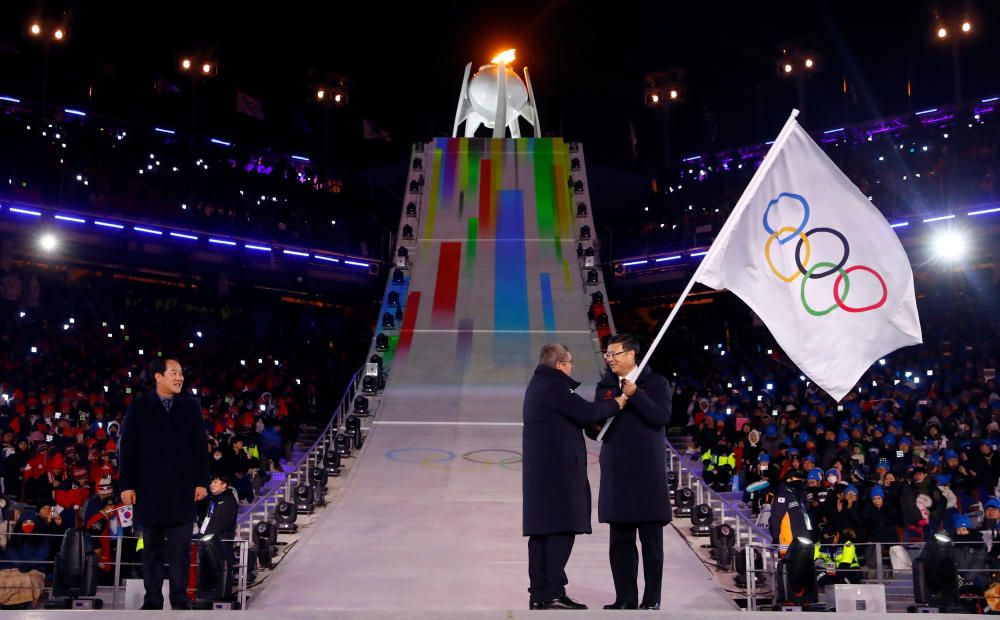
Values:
[(723, 539), (74, 578), (398, 277), (369, 384), (581, 210), (674, 94), (672, 480), (585, 232), (810, 63), (304, 499), (392, 299), (58, 34), (741, 567), (331, 461), (320, 94), (950, 245), (342, 445), (654, 98), (702, 517), (381, 342), (966, 26), (264, 537), (48, 242), (215, 575), (206, 68), (388, 321), (360, 405), (685, 500), (352, 429), (186, 64), (942, 32), (285, 514), (935, 576), (796, 574), (36, 29), (788, 68)]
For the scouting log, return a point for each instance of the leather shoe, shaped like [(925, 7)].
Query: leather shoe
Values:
[(653, 606), (563, 602), (536, 605), (620, 605)]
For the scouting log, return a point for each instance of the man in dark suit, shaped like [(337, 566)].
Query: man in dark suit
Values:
[(164, 471), (634, 496), (555, 486)]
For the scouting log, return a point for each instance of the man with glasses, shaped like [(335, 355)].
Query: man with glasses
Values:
[(555, 486), (633, 496)]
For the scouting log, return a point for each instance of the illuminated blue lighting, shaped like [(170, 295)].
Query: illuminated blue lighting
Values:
[(939, 218), (300, 157), (221, 241), (108, 225), (75, 220), (838, 129), (328, 259), (987, 100), (694, 158), (74, 112), (9, 99), (769, 142), (355, 263), (25, 212), (258, 248), (184, 236), (635, 262), (220, 142), (899, 224), (295, 253), (162, 130), (148, 231), (925, 111), (984, 211), (697, 254), (666, 258)]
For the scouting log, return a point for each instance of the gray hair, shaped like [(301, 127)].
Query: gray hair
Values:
[(552, 353)]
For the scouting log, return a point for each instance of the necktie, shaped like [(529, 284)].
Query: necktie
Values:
[(622, 384), (166, 403)]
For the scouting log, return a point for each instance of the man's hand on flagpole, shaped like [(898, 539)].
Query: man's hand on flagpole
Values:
[(621, 400), (628, 388)]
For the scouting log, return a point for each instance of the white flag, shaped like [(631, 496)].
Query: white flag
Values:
[(818, 263)]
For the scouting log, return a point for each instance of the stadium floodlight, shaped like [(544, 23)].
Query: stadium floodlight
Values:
[(48, 242), (942, 32), (950, 245)]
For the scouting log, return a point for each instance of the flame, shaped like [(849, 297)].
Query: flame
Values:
[(506, 57)]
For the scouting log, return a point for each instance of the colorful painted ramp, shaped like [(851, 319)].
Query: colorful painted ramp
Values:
[(495, 272), (430, 518)]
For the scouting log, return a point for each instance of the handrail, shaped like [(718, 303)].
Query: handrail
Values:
[(744, 526), (266, 502)]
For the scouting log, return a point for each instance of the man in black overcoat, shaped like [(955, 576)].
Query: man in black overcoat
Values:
[(555, 486), (163, 472), (634, 496)]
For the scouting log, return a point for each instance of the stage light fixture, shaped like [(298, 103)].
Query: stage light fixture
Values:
[(361, 405), (788, 67), (265, 535), (185, 64), (58, 34), (796, 574), (702, 517), (966, 26), (381, 342), (723, 540), (685, 500), (285, 514), (35, 29), (942, 32), (74, 578), (215, 575), (352, 428), (674, 94), (342, 445), (331, 461), (935, 576), (304, 499)]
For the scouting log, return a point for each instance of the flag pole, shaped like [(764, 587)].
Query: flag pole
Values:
[(724, 233)]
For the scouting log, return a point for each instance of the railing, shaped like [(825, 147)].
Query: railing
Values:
[(728, 511), (264, 506), (897, 577), (109, 594)]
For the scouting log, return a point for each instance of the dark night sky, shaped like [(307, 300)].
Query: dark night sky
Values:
[(587, 61)]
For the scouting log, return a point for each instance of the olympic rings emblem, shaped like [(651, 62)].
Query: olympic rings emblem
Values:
[(818, 270)]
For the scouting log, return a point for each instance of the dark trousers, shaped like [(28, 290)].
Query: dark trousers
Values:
[(625, 561), (170, 544), (547, 557)]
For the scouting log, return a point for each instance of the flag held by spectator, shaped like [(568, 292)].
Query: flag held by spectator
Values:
[(125, 515), (245, 104), (370, 132), (818, 263)]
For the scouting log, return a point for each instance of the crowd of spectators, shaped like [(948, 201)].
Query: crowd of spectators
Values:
[(73, 357), (119, 169), (910, 452), (916, 167)]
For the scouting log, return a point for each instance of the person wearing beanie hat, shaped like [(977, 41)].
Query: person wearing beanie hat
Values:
[(789, 519), (845, 520), (877, 491), (880, 519), (922, 506), (970, 551)]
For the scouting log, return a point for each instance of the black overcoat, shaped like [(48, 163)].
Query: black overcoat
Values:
[(556, 490), (633, 453), (163, 457)]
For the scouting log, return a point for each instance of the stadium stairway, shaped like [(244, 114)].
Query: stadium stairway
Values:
[(429, 515)]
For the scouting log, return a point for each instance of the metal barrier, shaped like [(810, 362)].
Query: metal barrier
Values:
[(872, 570), (265, 504), (114, 593), (729, 511)]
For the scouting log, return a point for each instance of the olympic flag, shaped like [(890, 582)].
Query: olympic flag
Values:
[(818, 263)]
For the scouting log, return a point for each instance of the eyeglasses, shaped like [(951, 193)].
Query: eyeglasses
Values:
[(610, 356), (569, 361)]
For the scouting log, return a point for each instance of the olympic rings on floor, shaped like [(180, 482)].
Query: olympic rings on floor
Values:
[(508, 461), (443, 455)]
